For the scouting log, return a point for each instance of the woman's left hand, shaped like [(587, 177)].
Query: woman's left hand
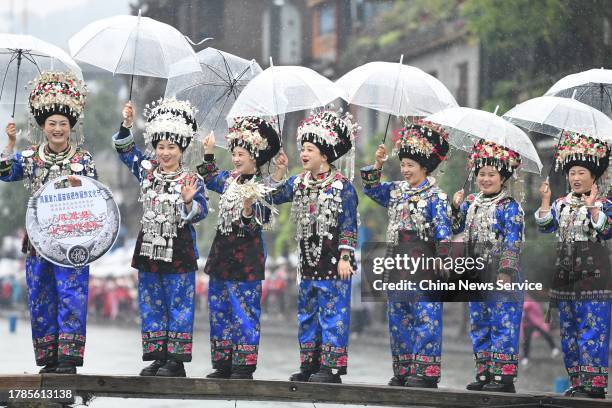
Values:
[(247, 207), (189, 190), (74, 181), (345, 271)]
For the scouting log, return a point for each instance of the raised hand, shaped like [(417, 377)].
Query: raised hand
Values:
[(592, 197), (458, 198), (208, 143), (282, 162), (189, 189), (128, 115), (11, 132), (545, 192), (380, 156)]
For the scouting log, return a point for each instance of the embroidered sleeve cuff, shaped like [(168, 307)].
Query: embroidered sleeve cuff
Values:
[(348, 240), (195, 209), (123, 132), (370, 176), (601, 220), (125, 144), (509, 263), (6, 163), (269, 181), (208, 169), (545, 220)]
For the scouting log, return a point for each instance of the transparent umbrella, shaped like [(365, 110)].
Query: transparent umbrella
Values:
[(396, 89), (214, 90), (282, 89), (465, 126), (592, 87), (22, 58), (134, 45), (551, 115)]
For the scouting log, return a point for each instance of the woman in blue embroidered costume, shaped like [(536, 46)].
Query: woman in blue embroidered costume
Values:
[(582, 285), (418, 212), (57, 295), (166, 255), (493, 226), (237, 258), (324, 208)]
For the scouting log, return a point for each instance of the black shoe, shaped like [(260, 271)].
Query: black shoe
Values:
[(224, 373), (49, 368), (325, 375), (495, 386), (242, 372), (151, 369), (481, 380), (569, 391), (172, 368), (580, 392), (397, 381), (420, 382), (302, 375), (66, 367)]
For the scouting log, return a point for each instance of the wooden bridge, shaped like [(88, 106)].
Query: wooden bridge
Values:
[(89, 386)]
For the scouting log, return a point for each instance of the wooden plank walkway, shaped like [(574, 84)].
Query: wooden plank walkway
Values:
[(267, 390)]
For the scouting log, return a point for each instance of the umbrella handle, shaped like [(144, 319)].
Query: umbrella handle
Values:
[(131, 85), (552, 166), (386, 129)]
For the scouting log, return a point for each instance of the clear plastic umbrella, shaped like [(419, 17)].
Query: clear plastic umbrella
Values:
[(22, 58), (134, 45), (466, 125), (396, 89), (551, 115), (592, 87), (214, 90), (282, 89)]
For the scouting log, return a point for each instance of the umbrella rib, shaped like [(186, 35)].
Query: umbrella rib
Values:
[(244, 71), (228, 71), (13, 56), (124, 48), (221, 110), (202, 84), (214, 71), (32, 60)]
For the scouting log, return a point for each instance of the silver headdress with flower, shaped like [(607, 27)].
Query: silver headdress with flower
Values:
[(170, 119)]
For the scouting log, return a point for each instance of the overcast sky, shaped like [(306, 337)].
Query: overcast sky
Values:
[(55, 21)]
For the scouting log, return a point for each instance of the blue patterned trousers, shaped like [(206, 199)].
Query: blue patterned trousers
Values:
[(494, 330), (585, 338), (58, 310), (415, 331), (235, 308), (166, 312), (324, 312)]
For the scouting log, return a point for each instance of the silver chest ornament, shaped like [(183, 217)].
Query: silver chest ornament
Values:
[(35, 175), (162, 202), (315, 211), (407, 211), (575, 223)]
